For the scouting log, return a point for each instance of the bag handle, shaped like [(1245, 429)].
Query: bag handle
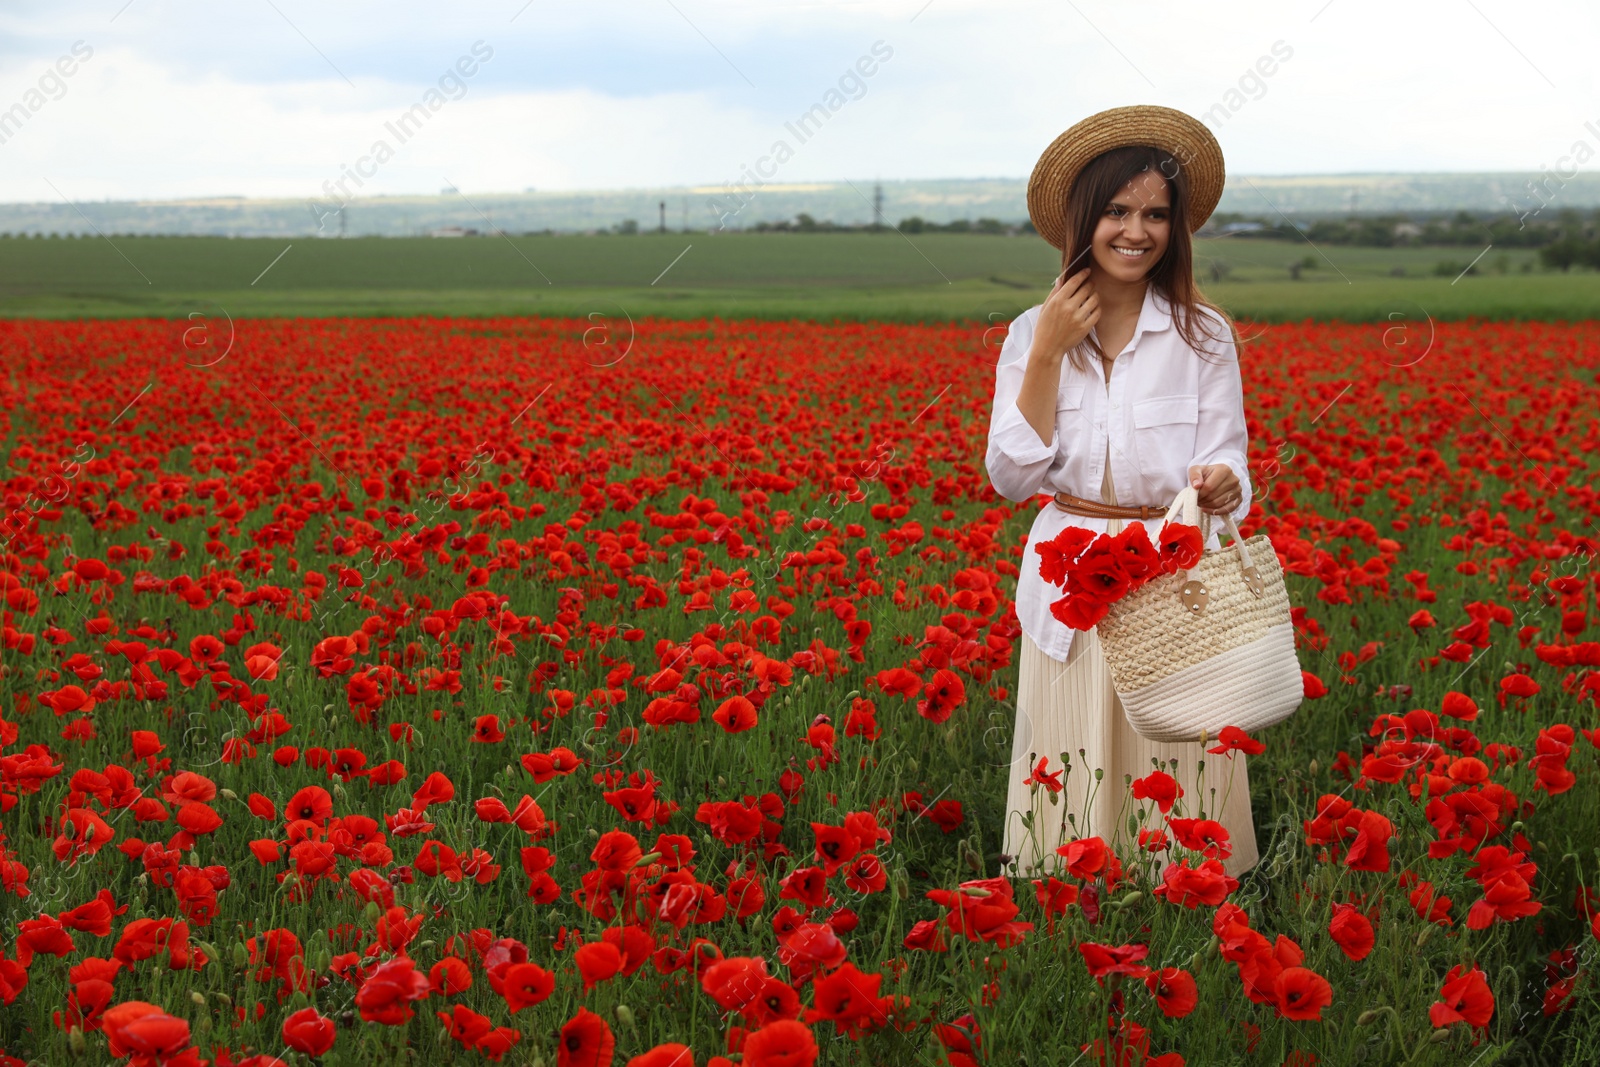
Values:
[(1193, 593)]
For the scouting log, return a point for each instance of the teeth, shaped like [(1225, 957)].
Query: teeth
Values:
[(1131, 253)]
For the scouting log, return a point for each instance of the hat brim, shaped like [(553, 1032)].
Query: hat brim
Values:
[(1185, 137)]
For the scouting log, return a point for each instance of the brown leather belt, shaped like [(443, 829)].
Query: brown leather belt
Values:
[(1077, 505)]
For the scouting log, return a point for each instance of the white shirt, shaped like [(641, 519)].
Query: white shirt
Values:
[(1165, 409)]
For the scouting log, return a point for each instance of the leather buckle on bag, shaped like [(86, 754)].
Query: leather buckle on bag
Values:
[(1194, 595), (1252, 579)]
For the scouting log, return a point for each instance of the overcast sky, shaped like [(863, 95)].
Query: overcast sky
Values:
[(170, 98)]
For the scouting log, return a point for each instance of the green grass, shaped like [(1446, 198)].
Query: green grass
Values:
[(888, 276)]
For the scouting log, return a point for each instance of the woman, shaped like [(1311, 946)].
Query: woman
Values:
[(1115, 393)]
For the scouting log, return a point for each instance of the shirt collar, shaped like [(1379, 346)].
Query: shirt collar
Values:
[(1154, 315)]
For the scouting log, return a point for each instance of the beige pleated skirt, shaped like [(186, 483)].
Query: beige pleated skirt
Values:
[(1069, 713)]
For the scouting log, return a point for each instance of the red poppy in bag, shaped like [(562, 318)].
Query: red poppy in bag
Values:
[(1056, 554), (1180, 546), (1139, 559), (1079, 612), (1098, 574)]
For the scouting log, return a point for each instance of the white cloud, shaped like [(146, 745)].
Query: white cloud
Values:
[(612, 95)]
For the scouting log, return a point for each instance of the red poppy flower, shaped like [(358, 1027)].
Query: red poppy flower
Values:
[(1351, 931), (525, 984), (942, 695), (598, 961), (735, 715), (586, 1041), (1079, 611), (386, 996), (1058, 553), (782, 1043), (670, 1054), (1232, 739), (1370, 849), (1464, 998), (1302, 993), (1108, 959), (1160, 787), (1175, 991), (308, 1032), (1206, 884), (311, 803), (464, 1025)]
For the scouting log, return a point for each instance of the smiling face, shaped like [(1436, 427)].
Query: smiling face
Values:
[(1134, 229)]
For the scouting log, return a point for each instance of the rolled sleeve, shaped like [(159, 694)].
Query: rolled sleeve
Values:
[(1222, 435), (1017, 460)]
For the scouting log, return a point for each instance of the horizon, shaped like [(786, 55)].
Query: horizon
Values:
[(774, 186)]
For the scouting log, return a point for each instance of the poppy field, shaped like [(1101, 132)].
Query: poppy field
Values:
[(578, 691)]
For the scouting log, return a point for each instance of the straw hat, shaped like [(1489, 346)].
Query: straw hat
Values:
[(1186, 137)]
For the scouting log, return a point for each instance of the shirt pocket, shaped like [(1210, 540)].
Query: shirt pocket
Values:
[(1164, 430), (1069, 415)]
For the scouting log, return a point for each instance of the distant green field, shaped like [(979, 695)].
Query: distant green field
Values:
[(925, 277)]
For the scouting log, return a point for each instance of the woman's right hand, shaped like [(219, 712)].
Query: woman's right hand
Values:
[(1068, 314)]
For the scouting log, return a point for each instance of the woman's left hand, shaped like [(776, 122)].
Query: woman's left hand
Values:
[(1219, 487)]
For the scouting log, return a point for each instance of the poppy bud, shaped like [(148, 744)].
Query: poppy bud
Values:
[(75, 1041), (1367, 1018), (241, 956), (1314, 767), (228, 794), (911, 765), (625, 1015), (1427, 932), (198, 997), (902, 884), (1439, 1037)]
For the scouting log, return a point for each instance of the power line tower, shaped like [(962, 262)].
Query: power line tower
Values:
[(663, 227), (877, 205)]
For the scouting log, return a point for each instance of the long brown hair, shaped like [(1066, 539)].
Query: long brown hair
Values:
[(1173, 274)]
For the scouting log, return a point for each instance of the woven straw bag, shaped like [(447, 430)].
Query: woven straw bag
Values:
[(1208, 647)]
